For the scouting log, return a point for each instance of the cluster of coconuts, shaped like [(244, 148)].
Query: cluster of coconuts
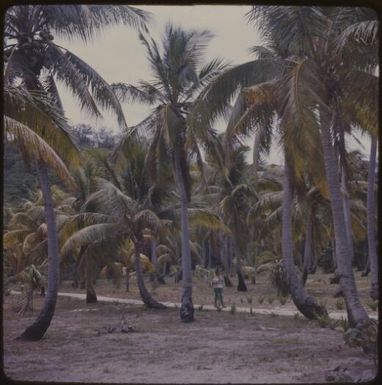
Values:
[(32, 48), (45, 35)]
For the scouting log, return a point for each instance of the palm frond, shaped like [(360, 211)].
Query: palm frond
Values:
[(68, 64), (37, 148), (146, 219), (213, 101), (109, 200), (81, 220), (207, 220), (363, 31), (143, 93), (84, 21), (35, 110), (90, 234), (13, 237)]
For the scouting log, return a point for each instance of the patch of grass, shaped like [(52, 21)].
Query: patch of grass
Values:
[(283, 300), (325, 321), (260, 300), (250, 299), (323, 303), (270, 300), (344, 323), (373, 305), (297, 316), (200, 307), (232, 309), (340, 304)]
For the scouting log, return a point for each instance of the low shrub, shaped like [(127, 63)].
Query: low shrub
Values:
[(340, 304), (279, 279)]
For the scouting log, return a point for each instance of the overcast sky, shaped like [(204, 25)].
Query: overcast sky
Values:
[(118, 56)]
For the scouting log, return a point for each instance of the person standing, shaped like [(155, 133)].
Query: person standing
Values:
[(218, 284)]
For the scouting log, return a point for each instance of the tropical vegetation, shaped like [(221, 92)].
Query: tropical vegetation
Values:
[(174, 196)]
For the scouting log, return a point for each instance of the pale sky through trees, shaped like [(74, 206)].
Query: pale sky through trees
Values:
[(118, 55)]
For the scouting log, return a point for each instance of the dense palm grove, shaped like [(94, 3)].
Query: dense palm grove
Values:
[(172, 195)]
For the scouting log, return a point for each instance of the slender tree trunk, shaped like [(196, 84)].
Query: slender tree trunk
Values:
[(154, 260), (305, 303), (227, 281), (127, 282), (347, 214), (356, 312), (373, 259), (241, 286), (209, 255), (91, 296), (37, 330), (204, 253), (147, 299), (308, 247), (187, 307), (229, 248)]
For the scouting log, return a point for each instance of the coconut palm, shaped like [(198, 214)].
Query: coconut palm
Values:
[(361, 34), (263, 101), (232, 195), (326, 95), (178, 77), (316, 87), (33, 60), (26, 114), (121, 218)]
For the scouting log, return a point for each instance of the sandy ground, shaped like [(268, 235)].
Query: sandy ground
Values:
[(85, 343), (260, 296)]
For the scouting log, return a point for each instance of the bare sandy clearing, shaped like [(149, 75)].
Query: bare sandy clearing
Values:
[(219, 347)]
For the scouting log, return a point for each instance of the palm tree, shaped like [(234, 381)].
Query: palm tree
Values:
[(257, 106), (361, 34), (23, 113), (232, 194), (316, 85), (110, 219), (318, 103), (178, 77), (33, 58)]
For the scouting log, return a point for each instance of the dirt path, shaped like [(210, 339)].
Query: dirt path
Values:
[(276, 310)]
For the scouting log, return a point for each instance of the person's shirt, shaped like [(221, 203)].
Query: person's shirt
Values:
[(218, 282)]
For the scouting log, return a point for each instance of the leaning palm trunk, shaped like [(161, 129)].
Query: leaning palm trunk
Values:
[(147, 299), (373, 260), (305, 303), (156, 276), (186, 308), (37, 330), (91, 296), (356, 312), (308, 247)]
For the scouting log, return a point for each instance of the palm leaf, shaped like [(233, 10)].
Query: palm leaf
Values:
[(207, 220), (37, 148), (213, 101), (66, 64), (35, 110), (90, 234)]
